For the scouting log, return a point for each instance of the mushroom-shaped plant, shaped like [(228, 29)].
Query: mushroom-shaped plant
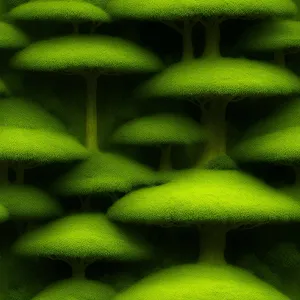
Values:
[(212, 81), (163, 130), (79, 240), (216, 201)]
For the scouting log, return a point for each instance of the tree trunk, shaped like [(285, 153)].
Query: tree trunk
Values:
[(212, 41), (4, 172), (165, 158), (188, 49)]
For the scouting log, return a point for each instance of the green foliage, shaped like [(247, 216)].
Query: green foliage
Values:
[(201, 282), (86, 235), (28, 202), (79, 52), (180, 9), (273, 36), (280, 146), (222, 162), (3, 213), (73, 289), (228, 77), (160, 129), (104, 172), (205, 195), (11, 37), (59, 10)]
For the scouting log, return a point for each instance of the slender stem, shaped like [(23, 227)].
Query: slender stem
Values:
[(279, 58), (91, 112), (214, 119), (165, 158), (19, 173), (212, 41), (213, 243), (188, 49), (78, 268), (4, 172)]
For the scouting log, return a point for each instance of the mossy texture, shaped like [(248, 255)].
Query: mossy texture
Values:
[(205, 196), (180, 9), (281, 146), (160, 129), (11, 37), (273, 36), (28, 202), (104, 172), (59, 10), (28, 132), (75, 289), (3, 214), (80, 52), (221, 77), (86, 235), (201, 282)]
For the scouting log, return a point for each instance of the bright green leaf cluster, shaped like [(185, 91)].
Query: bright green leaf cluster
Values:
[(86, 235), (11, 37), (221, 77), (27, 202), (104, 172), (73, 289), (205, 196), (183, 9), (59, 10), (79, 52), (201, 282), (160, 129)]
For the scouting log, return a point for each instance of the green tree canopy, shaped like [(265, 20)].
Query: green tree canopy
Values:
[(201, 282), (88, 235), (104, 172), (59, 10), (275, 35), (28, 202), (206, 196), (78, 53), (28, 132), (182, 9), (229, 77), (11, 37), (160, 129), (3, 213), (73, 289)]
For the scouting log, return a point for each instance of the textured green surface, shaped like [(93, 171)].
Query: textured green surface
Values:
[(281, 146), (104, 172), (160, 129), (21, 144), (86, 235), (3, 88), (3, 213), (175, 9), (204, 195), (273, 36), (28, 202), (221, 77), (79, 52), (76, 289), (11, 37), (59, 10), (201, 282)]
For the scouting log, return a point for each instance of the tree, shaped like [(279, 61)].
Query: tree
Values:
[(212, 81)]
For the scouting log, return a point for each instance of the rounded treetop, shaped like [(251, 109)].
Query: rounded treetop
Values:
[(29, 133), (281, 146), (86, 235), (11, 37), (59, 10), (160, 129), (104, 172), (28, 202), (206, 196), (184, 9), (201, 282), (81, 52), (221, 77), (72, 289), (3, 213), (276, 35)]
